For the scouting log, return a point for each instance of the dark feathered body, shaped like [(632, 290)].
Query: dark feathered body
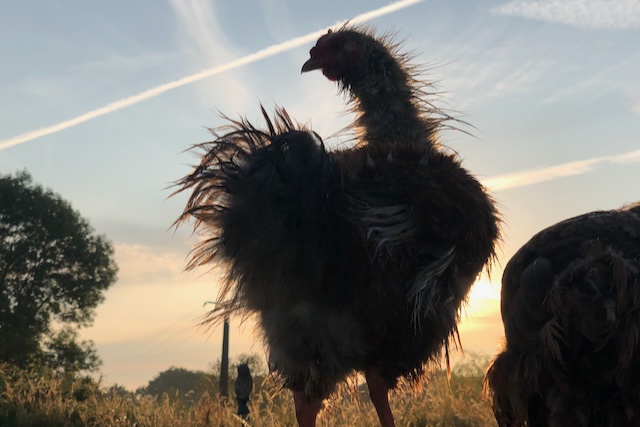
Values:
[(347, 262), (244, 383), (571, 310), (428, 229), (354, 258)]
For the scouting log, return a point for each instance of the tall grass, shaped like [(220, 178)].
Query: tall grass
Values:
[(38, 398)]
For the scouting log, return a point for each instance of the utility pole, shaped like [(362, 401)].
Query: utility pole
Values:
[(224, 365)]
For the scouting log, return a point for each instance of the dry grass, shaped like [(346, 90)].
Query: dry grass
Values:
[(35, 398)]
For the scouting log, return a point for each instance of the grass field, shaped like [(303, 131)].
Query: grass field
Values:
[(39, 398)]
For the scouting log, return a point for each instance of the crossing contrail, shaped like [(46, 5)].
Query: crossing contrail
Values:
[(159, 90), (495, 183), (538, 175)]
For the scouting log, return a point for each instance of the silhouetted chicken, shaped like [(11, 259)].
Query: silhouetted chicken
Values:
[(571, 311), (243, 388), (356, 259)]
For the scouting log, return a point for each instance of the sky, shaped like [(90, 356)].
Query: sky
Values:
[(101, 99)]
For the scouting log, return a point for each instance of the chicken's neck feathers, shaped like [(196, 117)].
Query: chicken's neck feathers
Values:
[(388, 98)]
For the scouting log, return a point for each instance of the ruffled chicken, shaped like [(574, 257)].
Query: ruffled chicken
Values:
[(354, 259)]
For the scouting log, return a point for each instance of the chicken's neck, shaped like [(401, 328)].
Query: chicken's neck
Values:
[(387, 109)]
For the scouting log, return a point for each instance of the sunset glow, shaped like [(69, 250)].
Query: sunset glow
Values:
[(101, 100)]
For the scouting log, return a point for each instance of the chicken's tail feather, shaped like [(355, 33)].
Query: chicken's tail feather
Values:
[(262, 203)]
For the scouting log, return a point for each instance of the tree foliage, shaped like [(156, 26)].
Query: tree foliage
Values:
[(189, 386), (54, 270), (183, 384)]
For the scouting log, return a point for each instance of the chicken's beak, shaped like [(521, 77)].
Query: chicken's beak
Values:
[(311, 64)]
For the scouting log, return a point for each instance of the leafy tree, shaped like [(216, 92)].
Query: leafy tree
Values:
[(119, 390), (188, 386), (54, 270), (255, 362)]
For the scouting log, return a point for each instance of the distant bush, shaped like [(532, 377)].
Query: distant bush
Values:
[(183, 385)]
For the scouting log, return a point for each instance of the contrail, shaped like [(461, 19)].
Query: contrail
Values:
[(159, 90), (536, 176)]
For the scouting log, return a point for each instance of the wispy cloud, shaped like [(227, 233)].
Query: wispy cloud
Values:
[(491, 66), (116, 63), (276, 17), (611, 14), (203, 29), (580, 87), (614, 78), (538, 175), (521, 79), (201, 33), (146, 264), (159, 90)]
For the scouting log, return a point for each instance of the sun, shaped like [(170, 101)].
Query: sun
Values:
[(485, 288), (480, 326)]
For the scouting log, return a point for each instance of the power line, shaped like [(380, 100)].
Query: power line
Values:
[(130, 355)]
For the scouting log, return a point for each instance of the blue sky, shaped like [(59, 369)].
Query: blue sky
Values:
[(552, 88)]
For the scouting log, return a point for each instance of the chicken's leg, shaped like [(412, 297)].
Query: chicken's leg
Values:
[(306, 409), (379, 393)]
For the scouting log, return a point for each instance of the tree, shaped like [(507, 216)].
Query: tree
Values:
[(253, 360), (54, 270), (183, 384)]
